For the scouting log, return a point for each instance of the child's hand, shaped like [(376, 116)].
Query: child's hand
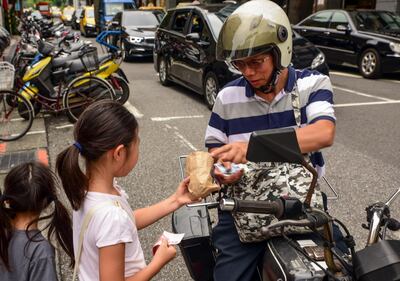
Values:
[(182, 194), (164, 253)]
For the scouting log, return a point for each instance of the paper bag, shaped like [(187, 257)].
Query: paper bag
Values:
[(198, 167)]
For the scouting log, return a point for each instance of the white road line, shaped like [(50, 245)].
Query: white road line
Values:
[(185, 141), (161, 119), (366, 103), (35, 132), (64, 126), (345, 74), (361, 94), (133, 110)]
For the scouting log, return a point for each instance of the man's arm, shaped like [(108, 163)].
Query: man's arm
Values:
[(310, 138)]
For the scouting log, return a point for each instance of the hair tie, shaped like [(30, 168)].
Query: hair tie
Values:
[(78, 146)]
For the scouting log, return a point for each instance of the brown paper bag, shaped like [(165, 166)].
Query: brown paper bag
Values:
[(198, 167)]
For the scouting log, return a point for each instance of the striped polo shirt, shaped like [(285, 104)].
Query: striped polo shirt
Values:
[(238, 111)]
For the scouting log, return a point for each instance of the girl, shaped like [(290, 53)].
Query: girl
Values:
[(106, 136), (24, 253)]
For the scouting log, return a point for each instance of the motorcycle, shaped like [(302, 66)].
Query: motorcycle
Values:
[(312, 256)]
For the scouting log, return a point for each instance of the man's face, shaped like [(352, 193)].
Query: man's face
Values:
[(256, 69)]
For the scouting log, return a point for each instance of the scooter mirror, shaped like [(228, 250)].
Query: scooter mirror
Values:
[(275, 145)]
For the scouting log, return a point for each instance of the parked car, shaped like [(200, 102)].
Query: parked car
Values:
[(368, 39), (67, 15), (185, 51), (139, 27), (76, 19), (87, 24)]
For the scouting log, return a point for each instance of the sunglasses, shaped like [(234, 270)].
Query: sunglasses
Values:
[(253, 63)]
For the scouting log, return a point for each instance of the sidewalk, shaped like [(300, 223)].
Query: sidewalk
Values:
[(32, 146)]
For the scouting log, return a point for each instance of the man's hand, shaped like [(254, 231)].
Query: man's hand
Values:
[(227, 179), (233, 152)]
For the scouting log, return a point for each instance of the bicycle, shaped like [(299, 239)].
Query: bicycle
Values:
[(12, 127)]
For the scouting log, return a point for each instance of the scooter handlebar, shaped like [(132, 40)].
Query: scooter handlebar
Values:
[(275, 208)]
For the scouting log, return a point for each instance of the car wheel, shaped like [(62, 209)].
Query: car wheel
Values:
[(163, 71), (370, 64), (210, 89)]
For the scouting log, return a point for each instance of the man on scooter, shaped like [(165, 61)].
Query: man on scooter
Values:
[(256, 39)]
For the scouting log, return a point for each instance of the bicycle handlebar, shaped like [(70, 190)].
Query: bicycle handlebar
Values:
[(275, 208)]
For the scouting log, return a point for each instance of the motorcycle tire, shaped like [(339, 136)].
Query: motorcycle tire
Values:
[(121, 95)]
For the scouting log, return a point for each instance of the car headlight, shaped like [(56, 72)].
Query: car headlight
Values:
[(134, 39), (318, 60), (395, 47)]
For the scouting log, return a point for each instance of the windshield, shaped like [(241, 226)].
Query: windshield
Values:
[(113, 8), (376, 21), (226, 11), (139, 19), (215, 23), (37, 14)]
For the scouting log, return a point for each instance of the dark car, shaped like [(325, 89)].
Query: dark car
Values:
[(368, 39), (185, 46), (76, 18), (139, 27)]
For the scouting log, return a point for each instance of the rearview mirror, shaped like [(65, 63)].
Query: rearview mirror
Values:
[(192, 37), (274, 145), (343, 28)]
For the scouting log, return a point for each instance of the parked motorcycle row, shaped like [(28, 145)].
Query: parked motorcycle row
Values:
[(52, 70)]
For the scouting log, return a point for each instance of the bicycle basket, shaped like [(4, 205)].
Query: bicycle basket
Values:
[(90, 59), (7, 72)]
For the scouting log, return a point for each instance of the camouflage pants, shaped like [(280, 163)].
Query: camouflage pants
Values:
[(269, 181)]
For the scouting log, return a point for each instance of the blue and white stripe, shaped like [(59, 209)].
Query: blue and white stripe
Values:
[(238, 111)]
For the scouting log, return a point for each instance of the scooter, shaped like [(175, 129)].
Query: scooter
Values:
[(302, 257)]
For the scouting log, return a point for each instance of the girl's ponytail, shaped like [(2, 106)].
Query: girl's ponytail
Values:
[(5, 232), (61, 225), (74, 181)]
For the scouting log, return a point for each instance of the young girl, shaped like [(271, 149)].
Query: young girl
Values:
[(106, 136), (24, 253)]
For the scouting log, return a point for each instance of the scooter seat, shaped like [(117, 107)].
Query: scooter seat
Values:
[(103, 58), (62, 61), (76, 66)]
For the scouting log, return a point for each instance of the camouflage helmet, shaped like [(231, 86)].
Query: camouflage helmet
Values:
[(256, 27)]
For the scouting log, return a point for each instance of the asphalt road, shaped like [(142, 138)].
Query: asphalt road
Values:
[(363, 165)]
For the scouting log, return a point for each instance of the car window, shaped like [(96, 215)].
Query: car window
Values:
[(179, 21), (376, 21), (196, 24), (166, 19), (318, 20), (138, 18), (338, 18)]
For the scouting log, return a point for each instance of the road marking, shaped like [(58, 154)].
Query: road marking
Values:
[(345, 74), (35, 132), (64, 126), (185, 141), (361, 94), (133, 110), (366, 103), (161, 119)]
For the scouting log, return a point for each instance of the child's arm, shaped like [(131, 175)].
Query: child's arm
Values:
[(147, 216), (112, 263)]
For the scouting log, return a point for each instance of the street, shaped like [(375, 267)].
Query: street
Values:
[(363, 165)]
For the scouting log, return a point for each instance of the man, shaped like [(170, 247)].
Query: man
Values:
[(257, 40)]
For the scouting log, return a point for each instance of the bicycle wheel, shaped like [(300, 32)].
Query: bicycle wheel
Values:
[(12, 126), (121, 90), (84, 91)]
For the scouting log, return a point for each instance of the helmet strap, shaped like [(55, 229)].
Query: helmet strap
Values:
[(269, 87)]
